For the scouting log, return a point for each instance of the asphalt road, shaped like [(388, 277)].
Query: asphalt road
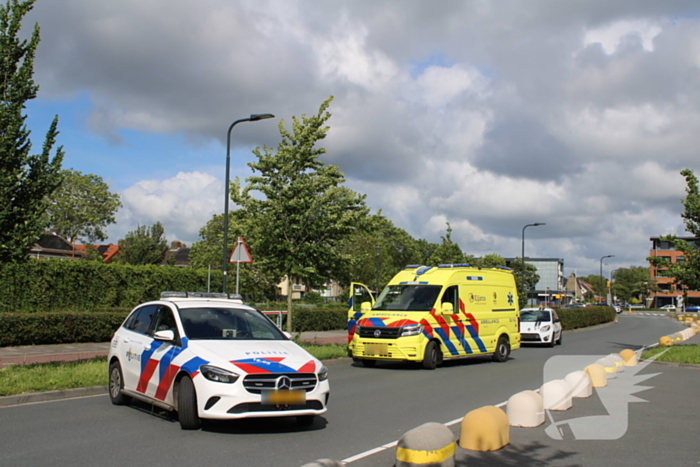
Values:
[(369, 407)]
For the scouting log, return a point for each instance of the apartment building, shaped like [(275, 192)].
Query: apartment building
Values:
[(669, 293)]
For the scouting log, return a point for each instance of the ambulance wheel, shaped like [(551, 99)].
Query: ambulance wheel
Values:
[(187, 405), (369, 363), (502, 350), (116, 385), (432, 356)]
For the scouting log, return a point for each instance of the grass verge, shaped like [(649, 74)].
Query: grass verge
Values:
[(42, 377), (676, 353)]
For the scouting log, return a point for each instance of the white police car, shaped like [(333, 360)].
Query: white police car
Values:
[(540, 326), (209, 356)]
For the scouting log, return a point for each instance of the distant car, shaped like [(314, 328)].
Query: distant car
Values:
[(692, 309), (668, 307), (540, 326), (618, 309), (574, 305)]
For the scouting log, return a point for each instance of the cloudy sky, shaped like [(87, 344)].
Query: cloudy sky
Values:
[(489, 115)]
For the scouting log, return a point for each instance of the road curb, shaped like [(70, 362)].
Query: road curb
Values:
[(592, 328), (35, 397)]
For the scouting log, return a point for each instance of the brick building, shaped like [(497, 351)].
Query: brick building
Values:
[(668, 293)]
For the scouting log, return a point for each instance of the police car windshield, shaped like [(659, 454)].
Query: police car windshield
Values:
[(227, 324), (408, 297), (528, 316)]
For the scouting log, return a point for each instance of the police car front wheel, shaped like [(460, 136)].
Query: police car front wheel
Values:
[(187, 405)]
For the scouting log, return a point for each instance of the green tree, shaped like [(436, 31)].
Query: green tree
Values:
[(686, 275), (300, 205), (448, 252), (25, 180), (489, 261), (631, 282), (145, 245), (378, 246), (82, 206)]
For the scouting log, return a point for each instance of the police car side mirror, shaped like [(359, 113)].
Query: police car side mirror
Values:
[(167, 336), (287, 335), (447, 309)]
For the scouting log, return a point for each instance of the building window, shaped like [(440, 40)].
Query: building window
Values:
[(680, 259)]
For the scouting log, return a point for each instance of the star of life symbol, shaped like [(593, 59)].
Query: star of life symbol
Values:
[(283, 383), (510, 298), (615, 398)]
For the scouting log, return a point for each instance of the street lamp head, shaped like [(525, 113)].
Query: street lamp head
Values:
[(256, 117), (539, 223)]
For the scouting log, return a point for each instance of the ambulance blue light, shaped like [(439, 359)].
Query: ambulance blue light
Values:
[(412, 266), (423, 270), (413, 283), (504, 268)]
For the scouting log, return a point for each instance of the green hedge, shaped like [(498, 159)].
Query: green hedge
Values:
[(58, 328), (576, 318), (308, 319), (99, 326)]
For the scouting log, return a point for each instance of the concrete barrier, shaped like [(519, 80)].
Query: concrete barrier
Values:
[(580, 384), (556, 395), (598, 375), (619, 362), (665, 341), (484, 429), (609, 365), (429, 444), (525, 409), (324, 463), (630, 357)]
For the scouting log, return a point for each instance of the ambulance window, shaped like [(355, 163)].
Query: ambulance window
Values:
[(451, 295)]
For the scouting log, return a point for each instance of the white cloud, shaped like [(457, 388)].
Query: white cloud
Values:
[(183, 204), (610, 35), (486, 115)]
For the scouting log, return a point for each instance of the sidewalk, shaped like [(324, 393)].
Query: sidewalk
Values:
[(25, 355)]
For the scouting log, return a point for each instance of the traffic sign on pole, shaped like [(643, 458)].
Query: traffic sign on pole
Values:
[(240, 253)]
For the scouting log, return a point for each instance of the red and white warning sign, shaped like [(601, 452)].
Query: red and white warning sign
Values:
[(240, 253)]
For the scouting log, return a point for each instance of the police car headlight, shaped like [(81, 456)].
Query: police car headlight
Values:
[(412, 330), (323, 374), (219, 375), (545, 328)]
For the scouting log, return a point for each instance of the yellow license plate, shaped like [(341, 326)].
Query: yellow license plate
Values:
[(290, 397), (376, 349)]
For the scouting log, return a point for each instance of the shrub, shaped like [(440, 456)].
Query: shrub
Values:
[(58, 328), (584, 317)]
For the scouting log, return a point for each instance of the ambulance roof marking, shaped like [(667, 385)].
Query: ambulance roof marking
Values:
[(475, 278)]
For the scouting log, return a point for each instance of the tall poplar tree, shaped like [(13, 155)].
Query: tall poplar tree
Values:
[(25, 179), (300, 205)]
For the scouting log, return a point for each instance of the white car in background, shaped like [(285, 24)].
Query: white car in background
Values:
[(209, 356), (540, 326)]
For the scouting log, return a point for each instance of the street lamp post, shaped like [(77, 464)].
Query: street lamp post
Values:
[(612, 293), (522, 256), (252, 118), (601, 273)]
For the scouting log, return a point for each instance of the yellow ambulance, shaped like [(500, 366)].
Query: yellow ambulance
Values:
[(430, 314)]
